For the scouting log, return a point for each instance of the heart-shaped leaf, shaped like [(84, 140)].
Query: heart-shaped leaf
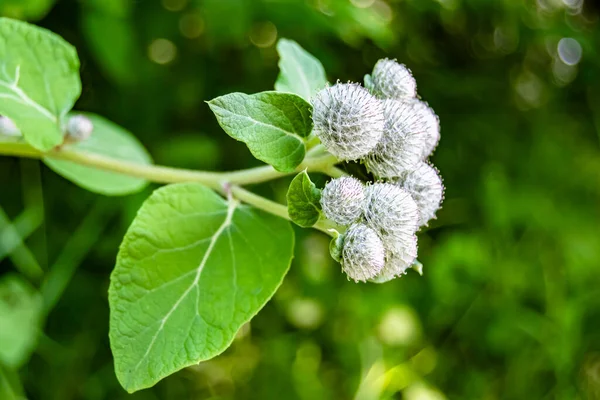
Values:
[(192, 269)]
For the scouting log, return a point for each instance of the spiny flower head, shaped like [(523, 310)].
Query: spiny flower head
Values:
[(392, 80), (8, 127), (398, 259), (431, 127), (363, 253), (348, 120), (391, 211), (342, 200), (425, 186), (79, 127), (402, 145)]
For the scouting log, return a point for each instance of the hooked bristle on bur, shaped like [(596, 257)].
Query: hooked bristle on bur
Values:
[(363, 253), (402, 145), (342, 200), (391, 211), (398, 260), (425, 186), (348, 120), (391, 80), (431, 127)]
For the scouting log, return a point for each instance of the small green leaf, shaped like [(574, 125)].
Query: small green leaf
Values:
[(39, 81), (273, 125), (369, 82), (417, 266), (20, 317), (304, 201), (300, 72), (192, 269), (108, 139)]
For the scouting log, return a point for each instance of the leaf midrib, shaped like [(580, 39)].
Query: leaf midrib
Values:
[(24, 98), (231, 207)]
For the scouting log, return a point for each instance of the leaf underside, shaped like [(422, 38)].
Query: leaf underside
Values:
[(192, 269), (300, 72), (107, 139)]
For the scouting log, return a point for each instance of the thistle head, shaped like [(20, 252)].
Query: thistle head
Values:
[(79, 128), (348, 120), (425, 186), (8, 127), (402, 145), (342, 200), (391, 80), (363, 254), (398, 259), (391, 211)]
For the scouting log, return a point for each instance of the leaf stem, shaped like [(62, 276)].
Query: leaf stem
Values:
[(272, 207), (324, 163), (162, 174)]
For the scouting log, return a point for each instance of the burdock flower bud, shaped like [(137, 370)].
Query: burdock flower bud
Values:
[(8, 127), (343, 199), (402, 144), (431, 123), (348, 120), (391, 211), (363, 254), (79, 128), (391, 80), (425, 186), (398, 260)]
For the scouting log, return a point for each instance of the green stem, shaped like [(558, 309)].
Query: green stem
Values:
[(161, 174), (274, 208), (218, 181)]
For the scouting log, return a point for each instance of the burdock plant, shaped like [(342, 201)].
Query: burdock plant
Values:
[(204, 254)]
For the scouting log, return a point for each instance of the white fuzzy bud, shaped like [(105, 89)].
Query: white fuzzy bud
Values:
[(8, 127), (391, 80), (397, 261), (403, 141), (363, 254), (348, 120), (431, 130), (425, 186), (392, 212), (79, 128), (343, 200)]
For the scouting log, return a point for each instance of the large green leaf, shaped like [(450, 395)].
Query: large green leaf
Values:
[(192, 269), (110, 140), (300, 72), (304, 201), (20, 316), (39, 81), (273, 125)]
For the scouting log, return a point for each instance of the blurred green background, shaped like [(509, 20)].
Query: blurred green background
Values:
[(509, 304)]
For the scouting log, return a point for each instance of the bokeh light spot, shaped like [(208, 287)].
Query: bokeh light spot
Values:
[(191, 25), (569, 51), (263, 34), (162, 51), (174, 5)]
